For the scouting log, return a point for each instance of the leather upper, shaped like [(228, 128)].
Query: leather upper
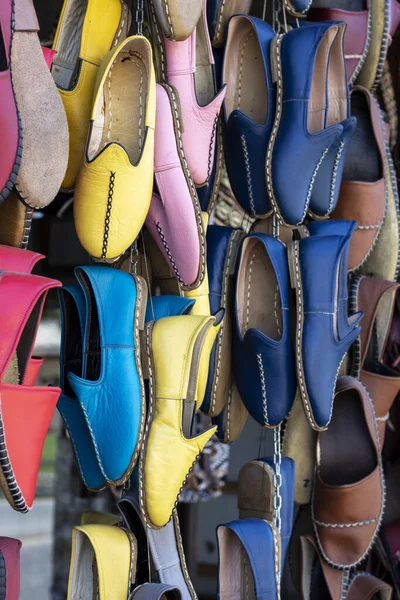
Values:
[(174, 215), (297, 7), (159, 307), (178, 18), (103, 25), (11, 551), (246, 140), (218, 16), (18, 260)]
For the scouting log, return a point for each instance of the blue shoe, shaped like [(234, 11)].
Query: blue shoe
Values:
[(297, 8), (222, 248), (106, 384), (249, 110), (311, 120), (325, 332), (249, 560), (159, 307), (263, 356)]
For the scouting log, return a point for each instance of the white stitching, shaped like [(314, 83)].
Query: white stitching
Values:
[(334, 176), (160, 42), (221, 12), (168, 17), (366, 227), (248, 174), (291, 8), (263, 388), (249, 288), (122, 23), (276, 311), (345, 525)]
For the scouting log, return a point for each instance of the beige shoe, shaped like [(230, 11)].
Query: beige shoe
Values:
[(177, 18)]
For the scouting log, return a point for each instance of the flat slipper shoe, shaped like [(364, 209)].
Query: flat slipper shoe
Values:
[(297, 8), (371, 71), (174, 218), (156, 591), (10, 123), (100, 393), (263, 356), (249, 560), (178, 357), (44, 123), (26, 411), (232, 419), (177, 19), (103, 563), (219, 13), (249, 111), (86, 31), (114, 186), (10, 550), (15, 221), (159, 307), (349, 470), (167, 556), (190, 70)]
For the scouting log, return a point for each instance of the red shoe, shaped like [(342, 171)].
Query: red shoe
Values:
[(10, 125)]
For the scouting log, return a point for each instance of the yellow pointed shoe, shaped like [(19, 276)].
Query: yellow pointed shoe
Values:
[(86, 31), (179, 354), (114, 187), (103, 563)]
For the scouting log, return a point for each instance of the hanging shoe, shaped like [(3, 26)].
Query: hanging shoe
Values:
[(15, 221), (249, 111), (103, 563), (325, 332), (156, 591), (174, 219), (371, 71), (263, 357), (249, 560), (95, 392), (219, 13), (26, 410), (114, 187), (10, 550), (349, 488), (179, 354), (231, 421), (190, 69), (297, 8), (178, 20), (159, 307), (86, 31), (311, 120)]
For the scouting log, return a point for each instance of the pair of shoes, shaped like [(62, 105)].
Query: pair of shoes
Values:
[(114, 186), (10, 550), (103, 399), (26, 409), (349, 488), (34, 132)]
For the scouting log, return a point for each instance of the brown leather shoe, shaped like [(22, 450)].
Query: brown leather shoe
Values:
[(349, 488)]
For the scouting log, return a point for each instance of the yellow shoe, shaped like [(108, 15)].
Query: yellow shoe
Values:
[(86, 31), (103, 563), (179, 354), (114, 186), (201, 293)]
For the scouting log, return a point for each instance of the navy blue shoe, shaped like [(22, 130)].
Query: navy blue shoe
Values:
[(263, 356), (222, 251), (249, 110), (249, 560), (325, 332), (311, 121)]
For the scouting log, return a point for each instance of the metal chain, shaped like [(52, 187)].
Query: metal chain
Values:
[(139, 16), (276, 9), (277, 477)]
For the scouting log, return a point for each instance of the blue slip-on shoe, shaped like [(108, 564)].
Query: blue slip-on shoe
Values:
[(159, 307), (249, 562), (256, 491), (109, 389), (222, 250), (249, 110), (312, 108), (263, 356), (297, 8), (324, 332)]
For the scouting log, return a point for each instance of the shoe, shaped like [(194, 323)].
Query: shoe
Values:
[(209, 194), (26, 410), (371, 71), (16, 260), (297, 8), (309, 132), (179, 353), (263, 357), (363, 193), (190, 69), (159, 307), (222, 250), (349, 470), (177, 20), (174, 219), (167, 556), (10, 124), (219, 13), (156, 591), (98, 26), (257, 490), (114, 187), (103, 563), (10, 550), (249, 111), (231, 421), (324, 331), (96, 338), (249, 560), (201, 293), (373, 352), (45, 131)]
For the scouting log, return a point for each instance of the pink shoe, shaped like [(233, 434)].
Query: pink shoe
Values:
[(190, 69), (174, 218), (9, 568)]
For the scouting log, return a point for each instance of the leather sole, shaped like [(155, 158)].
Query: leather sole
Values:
[(371, 71)]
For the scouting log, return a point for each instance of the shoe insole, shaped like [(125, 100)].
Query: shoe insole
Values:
[(124, 104), (363, 161), (347, 453), (351, 5), (236, 581), (317, 106), (259, 301), (204, 76), (66, 61)]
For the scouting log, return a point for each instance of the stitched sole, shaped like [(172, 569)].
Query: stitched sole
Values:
[(218, 166), (384, 46), (182, 557), (3, 577), (8, 482)]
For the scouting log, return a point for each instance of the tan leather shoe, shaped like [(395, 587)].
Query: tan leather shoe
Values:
[(177, 18), (349, 488)]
